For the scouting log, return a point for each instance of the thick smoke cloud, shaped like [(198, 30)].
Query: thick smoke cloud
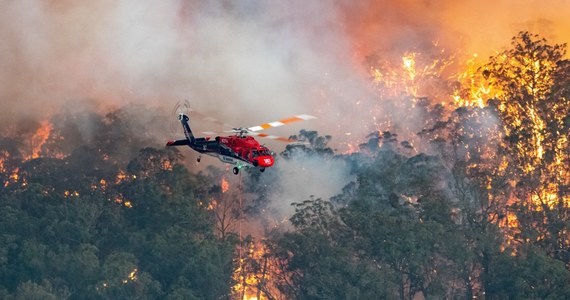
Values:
[(302, 178), (242, 61)]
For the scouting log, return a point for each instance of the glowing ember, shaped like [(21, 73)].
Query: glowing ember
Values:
[(68, 194), (3, 156), (167, 165), (212, 205), (225, 185), (120, 177), (351, 148), (131, 277)]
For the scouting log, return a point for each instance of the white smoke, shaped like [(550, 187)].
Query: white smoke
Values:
[(303, 177), (300, 177), (243, 62)]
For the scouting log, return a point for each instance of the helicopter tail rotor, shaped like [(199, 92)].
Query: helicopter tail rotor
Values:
[(180, 108)]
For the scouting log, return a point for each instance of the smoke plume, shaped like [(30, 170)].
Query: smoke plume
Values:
[(246, 62), (243, 62)]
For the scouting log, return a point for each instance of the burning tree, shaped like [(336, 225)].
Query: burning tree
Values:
[(534, 108), (469, 207)]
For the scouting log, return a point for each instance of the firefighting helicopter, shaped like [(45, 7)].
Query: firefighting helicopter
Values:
[(239, 149)]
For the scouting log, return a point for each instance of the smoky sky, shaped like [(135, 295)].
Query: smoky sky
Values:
[(245, 62)]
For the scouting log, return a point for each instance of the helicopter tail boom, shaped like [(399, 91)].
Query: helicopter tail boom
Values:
[(178, 143), (187, 131)]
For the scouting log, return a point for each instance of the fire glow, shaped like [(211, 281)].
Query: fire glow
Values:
[(253, 274), (462, 81), (39, 139), (448, 79), (225, 185)]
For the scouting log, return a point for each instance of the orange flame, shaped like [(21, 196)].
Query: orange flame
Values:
[(212, 204), (3, 156), (459, 81), (39, 139), (253, 283), (225, 185)]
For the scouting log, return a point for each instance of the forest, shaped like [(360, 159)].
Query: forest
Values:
[(473, 203)]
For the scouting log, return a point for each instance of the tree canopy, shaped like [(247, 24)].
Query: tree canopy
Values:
[(475, 204)]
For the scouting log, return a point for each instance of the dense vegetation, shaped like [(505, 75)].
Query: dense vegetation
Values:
[(81, 228), (482, 212)]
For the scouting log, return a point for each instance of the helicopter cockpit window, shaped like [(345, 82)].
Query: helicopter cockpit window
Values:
[(254, 153)]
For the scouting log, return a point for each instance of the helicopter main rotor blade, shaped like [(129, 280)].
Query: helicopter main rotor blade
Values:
[(241, 131), (273, 137), (259, 134), (282, 122)]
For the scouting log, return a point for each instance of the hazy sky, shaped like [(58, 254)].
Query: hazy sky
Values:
[(245, 62)]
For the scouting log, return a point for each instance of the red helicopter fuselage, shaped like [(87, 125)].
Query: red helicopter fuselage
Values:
[(238, 150), (249, 150)]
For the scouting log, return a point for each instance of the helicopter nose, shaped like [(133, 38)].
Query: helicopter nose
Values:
[(265, 161)]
